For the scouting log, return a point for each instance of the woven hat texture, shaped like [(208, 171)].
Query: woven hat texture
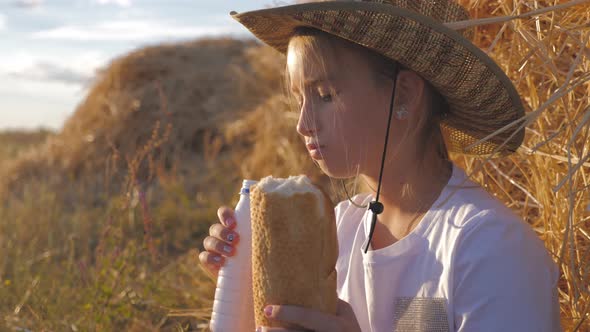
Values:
[(482, 99)]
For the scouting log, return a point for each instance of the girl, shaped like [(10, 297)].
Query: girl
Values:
[(385, 90)]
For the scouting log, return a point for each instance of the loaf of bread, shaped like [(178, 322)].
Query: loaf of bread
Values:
[(294, 247)]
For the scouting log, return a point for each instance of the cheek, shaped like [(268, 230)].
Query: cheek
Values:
[(366, 131), (351, 137), (357, 124)]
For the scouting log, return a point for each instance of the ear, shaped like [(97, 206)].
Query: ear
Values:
[(410, 91)]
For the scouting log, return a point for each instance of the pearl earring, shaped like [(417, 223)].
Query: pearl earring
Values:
[(402, 114)]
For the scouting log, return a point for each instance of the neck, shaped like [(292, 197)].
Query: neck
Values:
[(408, 191)]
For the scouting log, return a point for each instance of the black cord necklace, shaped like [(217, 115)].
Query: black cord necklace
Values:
[(375, 206)]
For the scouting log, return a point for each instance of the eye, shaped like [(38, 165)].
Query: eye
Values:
[(326, 98), (326, 95)]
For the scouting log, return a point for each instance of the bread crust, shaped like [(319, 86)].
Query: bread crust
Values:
[(294, 253)]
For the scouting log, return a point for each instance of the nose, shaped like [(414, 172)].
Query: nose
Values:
[(307, 124)]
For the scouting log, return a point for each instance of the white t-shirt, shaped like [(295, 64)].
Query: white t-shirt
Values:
[(469, 265)]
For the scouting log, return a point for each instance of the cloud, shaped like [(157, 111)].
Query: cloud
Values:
[(78, 69), (122, 3), (45, 71), (28, 3), (43, 88), (132, 31)]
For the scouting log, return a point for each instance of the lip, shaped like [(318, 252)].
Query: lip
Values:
[(312, 146), (314, 150)]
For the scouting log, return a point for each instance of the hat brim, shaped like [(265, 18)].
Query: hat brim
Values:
[(482, 99)]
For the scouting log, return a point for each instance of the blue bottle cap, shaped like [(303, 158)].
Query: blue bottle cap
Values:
[(246, 184)]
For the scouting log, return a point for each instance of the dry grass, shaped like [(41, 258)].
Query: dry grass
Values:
[(14, 142), (120, 196)]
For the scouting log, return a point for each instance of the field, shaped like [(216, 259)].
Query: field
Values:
[(73, 266), (101, 222)]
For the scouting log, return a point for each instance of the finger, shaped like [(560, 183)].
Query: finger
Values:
[(209, 259), (210, 270), (227, 217), (304, 317), (223, 233), (217, 246)]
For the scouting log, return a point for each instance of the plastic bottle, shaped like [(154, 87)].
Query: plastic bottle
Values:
[(233, 307)]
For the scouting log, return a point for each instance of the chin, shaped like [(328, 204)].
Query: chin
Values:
[(335, 172)]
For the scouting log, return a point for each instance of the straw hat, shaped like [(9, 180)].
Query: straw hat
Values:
[(481, 97)]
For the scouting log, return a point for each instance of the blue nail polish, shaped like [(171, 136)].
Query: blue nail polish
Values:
[(230, 237)]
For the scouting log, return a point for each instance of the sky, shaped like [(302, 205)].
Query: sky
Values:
[(50, 49)]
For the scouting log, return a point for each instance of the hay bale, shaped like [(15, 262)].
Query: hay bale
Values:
[(157, 105)]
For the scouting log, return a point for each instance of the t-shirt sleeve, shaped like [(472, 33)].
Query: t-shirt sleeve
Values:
[(503, 279)]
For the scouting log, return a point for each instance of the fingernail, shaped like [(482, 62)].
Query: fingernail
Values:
[(217, 258), (227, 248), (268, 311), (230, 237), (230, 221), (259, 329)]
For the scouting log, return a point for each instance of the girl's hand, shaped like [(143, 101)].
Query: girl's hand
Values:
[(309, 319), (220, 243)]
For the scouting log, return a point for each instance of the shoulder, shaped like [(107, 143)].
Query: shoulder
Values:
[(498, 237), (466, 206), (483, 229), (500, 268), (490, 234), (480, 214)]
